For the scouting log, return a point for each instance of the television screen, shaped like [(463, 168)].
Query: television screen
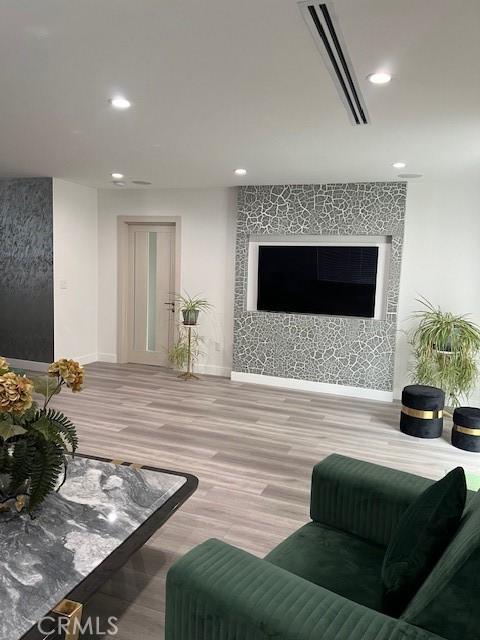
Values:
[(330, 280)]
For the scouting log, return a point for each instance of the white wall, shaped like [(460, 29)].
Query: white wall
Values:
[(75, 271), (441, 257), (207, 260)]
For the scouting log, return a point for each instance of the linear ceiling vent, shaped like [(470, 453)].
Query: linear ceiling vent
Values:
[(331, 46)]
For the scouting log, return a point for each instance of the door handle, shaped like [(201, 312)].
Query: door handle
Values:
[(171, 305)]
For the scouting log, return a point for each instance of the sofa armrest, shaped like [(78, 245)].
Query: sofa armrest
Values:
[(361, 498), (218, 592)]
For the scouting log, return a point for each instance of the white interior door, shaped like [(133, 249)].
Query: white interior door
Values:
[(151, 278)]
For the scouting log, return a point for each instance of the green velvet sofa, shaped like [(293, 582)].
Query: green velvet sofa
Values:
[(323, 582)]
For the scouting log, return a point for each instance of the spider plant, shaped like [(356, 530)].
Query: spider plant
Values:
[(446, 348), (185, 349), (191, 307)]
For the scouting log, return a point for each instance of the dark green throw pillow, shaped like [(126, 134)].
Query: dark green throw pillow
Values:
[(422, 535)]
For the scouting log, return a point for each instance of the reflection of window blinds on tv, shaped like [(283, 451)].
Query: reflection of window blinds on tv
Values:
[(336, 264), (317, 279)]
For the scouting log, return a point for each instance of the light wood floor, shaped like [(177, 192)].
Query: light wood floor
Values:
[(252, 448)]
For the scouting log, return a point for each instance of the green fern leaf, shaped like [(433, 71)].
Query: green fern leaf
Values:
[(46, 468), (54, 426), (5, 459), (65, 427), (21, 462)]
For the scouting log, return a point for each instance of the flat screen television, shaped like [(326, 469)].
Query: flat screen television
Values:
[(329, 280)]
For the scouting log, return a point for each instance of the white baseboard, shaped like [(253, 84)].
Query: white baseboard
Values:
[(107, 357), (43, 366), (309, 385), (205, 369), (213, 370), (28, 364), (87, 359)]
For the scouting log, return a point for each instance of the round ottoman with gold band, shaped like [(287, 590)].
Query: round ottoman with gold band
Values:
[(466, 428), (422, 411)]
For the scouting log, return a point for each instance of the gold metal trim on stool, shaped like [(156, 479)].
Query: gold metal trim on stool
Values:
[(424, 415), (73, 611), (466, 430)]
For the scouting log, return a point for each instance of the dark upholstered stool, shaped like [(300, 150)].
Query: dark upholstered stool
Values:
[(466, 428), (422, 411)]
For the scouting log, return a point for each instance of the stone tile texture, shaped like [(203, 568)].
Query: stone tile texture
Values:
[(337, 350)]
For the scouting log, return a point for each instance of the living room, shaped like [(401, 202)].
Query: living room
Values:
[(239, 242)]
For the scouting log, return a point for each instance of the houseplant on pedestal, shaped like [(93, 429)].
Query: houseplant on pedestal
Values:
[(190, 308), (446, 349), (186, 350), (35, 440)]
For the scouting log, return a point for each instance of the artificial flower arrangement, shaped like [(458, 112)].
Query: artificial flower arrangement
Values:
[(35, 440)]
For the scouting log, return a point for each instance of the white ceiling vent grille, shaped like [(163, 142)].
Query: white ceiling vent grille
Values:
[(327, 36)]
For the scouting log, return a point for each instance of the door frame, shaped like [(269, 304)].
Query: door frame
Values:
[(122, 270)]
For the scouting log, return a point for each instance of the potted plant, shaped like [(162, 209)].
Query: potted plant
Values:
[(191, 307), (35, 440), (446, 349), (186, 351)]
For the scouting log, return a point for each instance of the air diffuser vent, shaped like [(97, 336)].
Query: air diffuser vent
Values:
[(321, 23)]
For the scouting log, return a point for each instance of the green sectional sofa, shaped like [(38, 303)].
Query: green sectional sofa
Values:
[(324, 582)]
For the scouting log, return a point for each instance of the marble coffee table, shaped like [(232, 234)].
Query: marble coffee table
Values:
[(104, 512)]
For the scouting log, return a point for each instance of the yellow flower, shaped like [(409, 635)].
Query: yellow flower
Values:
[(15, 393), (70, 371), (4, 366)]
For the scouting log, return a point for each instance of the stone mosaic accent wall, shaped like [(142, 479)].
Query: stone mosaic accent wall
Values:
[(26, 274), (346, 351)]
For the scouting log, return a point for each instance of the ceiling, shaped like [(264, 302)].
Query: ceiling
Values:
[(221, 84)]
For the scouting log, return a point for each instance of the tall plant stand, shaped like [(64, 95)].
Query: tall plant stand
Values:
[(189, 375)]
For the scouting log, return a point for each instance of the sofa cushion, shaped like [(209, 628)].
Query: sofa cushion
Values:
[(422, 535), (335, 560), (447, 602)]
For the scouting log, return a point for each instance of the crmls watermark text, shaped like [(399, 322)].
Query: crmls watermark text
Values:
[(90, 625)]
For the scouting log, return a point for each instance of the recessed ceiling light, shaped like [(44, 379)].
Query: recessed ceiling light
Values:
[(240, 172), (119, 183), (399, 165), (381, 77), (119, 102), (117, 176)]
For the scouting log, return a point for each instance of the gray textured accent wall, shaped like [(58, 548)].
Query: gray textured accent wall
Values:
[(26, 273), (336, 350)]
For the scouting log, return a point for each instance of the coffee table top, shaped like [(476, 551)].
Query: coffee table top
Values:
[(96, 513)]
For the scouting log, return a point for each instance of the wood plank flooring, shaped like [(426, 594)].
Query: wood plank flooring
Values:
[(252, 449)]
